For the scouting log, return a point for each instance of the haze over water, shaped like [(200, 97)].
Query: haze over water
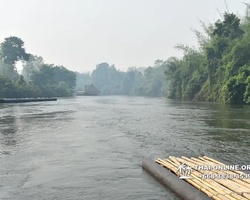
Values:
[(92, 147)]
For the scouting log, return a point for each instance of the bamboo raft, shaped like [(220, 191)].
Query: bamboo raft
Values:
[(217, 188)]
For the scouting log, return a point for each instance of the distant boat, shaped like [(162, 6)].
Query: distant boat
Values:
[(24, 100), (90, 90)]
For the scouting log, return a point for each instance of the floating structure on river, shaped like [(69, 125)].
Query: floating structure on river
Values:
[(201, 178), (24, 100), (90, 90)]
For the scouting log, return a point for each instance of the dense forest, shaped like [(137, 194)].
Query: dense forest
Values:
[(217, 70), (38, 79), (148, 81)]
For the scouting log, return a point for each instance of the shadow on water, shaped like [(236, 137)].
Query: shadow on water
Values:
[(8, 125), (48, 115), (229, 123), (8, 129), (230, 117), (220, 130), (221, 116)]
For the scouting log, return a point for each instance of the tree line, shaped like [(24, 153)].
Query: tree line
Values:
[(148, 81), (38, 79), (218, 69)]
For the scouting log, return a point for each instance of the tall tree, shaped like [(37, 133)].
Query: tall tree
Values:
[(12, 50)]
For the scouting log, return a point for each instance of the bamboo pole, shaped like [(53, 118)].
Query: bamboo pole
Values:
[(223, 192), (245, 194), (230, 173), (239, 182), (234, 171), (207, 190), (220, 163), (226, 192), (204, 190), (208, 185), (229, 188), (216, 189), (174, 160)]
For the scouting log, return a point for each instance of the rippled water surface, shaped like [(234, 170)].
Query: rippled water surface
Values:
[(92, 147)]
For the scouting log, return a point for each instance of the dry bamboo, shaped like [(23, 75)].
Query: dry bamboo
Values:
[(227, 194), (227, 183), (216, 184), (222, 189), (211, 193), (235, 179), (220, 163), (234, 171), (191, 165), (174, 160)]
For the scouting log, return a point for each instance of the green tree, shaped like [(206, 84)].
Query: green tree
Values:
[(219, 69), (34, 64), (54, 80), (8, 70), (12, 50)]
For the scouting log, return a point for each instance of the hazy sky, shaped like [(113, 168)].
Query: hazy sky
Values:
[(82, 33)]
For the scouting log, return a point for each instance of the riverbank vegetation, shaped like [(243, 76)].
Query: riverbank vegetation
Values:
[(136, 81), (218, 69), (37, 78)]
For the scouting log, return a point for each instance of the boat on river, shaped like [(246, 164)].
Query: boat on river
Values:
[(24, 100), (90, 90)]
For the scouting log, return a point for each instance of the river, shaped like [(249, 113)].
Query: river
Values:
[(92, 147)]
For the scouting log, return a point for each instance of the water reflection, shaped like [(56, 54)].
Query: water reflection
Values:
[(48, 116), (230, 117), (103, 140), (8, 129), (8, 125), (217, 130), (221, 116), (229, 123)]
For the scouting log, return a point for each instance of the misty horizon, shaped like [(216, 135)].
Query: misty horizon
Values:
[(81, 34)]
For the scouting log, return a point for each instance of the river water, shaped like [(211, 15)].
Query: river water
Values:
[(92, 147)]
